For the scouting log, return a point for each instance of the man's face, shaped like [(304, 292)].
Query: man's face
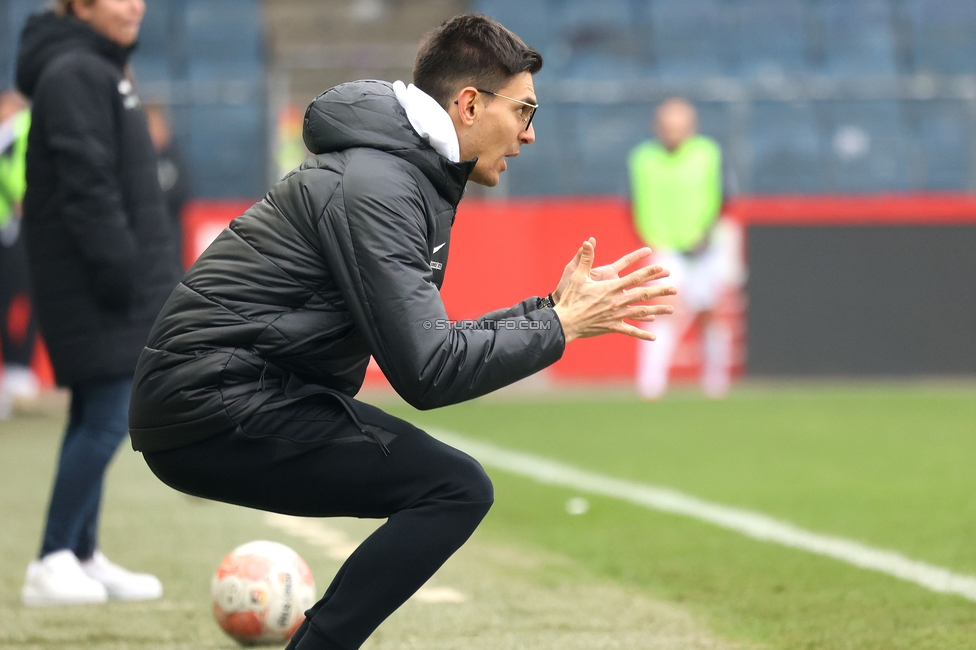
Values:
[(116, 20), (11, 102), (497, 130), (675, 122)]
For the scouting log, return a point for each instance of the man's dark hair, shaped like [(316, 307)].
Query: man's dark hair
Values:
[(470, 50)]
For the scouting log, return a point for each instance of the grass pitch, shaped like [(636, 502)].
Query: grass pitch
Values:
[(891, 466)]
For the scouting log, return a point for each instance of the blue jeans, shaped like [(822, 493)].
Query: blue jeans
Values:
[(98, 422)]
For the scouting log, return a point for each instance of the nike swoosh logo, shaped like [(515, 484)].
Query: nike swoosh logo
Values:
[(439, 246)]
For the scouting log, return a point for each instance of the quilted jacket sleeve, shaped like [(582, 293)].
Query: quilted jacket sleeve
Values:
[(374, 238)]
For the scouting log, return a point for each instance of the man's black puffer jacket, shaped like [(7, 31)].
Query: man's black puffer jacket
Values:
[(102, 250), (343, 259)]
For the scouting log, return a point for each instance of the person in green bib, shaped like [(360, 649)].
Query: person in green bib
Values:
[(18, 331), (678, 189)]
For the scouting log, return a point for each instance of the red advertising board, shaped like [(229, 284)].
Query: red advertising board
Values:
[(504, 251)]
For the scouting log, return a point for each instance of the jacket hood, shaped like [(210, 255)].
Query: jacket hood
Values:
[(47, 36), (367, 114)]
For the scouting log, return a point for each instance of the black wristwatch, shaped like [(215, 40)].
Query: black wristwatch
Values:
[(547, 302)]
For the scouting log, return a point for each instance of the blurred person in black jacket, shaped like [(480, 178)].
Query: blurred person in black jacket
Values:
[(100, 249)]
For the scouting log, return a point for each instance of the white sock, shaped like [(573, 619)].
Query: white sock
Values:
[(654, 358), (717, 349)]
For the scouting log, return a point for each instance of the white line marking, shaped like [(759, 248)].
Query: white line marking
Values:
[(428, 594), (339, 546), (336, 543), (749, 523)]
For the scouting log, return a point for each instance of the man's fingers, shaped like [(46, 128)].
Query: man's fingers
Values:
[(663, 273), (647, 313), (579, 254), (573, 263), (635, 332), (642, 276), (644, 294), (630, 259), (587, 254)]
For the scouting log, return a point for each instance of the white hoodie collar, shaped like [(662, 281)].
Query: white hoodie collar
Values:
[(429, 120)]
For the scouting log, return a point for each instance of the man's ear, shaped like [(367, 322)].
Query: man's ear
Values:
[(81, 10), (467, 105)]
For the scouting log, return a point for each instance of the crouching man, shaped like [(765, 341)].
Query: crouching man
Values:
[(244, 392)]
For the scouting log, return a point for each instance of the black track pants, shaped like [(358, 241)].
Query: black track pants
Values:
[(311, 459)]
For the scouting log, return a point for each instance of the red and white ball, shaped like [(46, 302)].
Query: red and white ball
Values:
[(260, 593)]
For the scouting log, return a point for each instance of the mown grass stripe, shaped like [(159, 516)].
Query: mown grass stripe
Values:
[(752, 524)]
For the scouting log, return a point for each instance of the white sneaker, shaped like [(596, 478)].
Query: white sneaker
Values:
[(21, 382), (120, 583), (57, 579)]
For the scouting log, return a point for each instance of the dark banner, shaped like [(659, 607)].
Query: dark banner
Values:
[(861, 300)]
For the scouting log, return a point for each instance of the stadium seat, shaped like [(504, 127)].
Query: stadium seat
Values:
[(769, 38), (596, 63), (942, 146), (596, 40), (858, 38), (551, 165), (532, 21), (607, 135), (944, 35), (13, 15), (714, 121), (224, 39), (583, 149), (867, 146), (786, 147), (151, 59), (227, 145), (8, 46), (692, 38)]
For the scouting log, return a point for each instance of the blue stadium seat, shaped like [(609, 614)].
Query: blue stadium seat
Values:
[(595, 40), (692, 38), (224, 39), (532, 21), (551, 165), (945, 35), (786, 143), (606, 136), (714, 121), (151, 60), (584, 19), (944, 134), (598, 65), (15, 13), (227, 145), (583, 149), (858, 38), (868, 147), (8, 45), (769, 37)]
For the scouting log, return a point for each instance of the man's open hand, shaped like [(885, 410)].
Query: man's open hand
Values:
[(594, 301), (608, 272)]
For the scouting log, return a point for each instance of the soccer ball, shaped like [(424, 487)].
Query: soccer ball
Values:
[(260, 593)]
